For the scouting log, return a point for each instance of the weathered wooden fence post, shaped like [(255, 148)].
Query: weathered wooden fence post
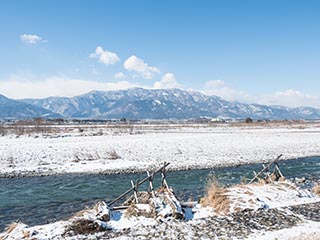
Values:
[(163, 177), (134, 191), (264, 169), (135, 186), (150, 188)]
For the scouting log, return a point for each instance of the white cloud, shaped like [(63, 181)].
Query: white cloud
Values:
[(119, 75), (167, 81), (19, 87), (28, 86), (139, 66), (31, 38), (290, 98), (221, 89), (105, 56)]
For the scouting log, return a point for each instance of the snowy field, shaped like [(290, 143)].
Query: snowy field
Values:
[(103, 150)]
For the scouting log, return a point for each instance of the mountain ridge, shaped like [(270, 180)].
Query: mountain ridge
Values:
[(140, 103), (14, 109)]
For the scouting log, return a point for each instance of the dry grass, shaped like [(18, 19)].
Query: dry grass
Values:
[(143, 197), (25, 234), (113, 155), (95, 208), (316, 189), (134, 211), (162, 190), (80, 213), (216, 198), (10, 228), (83, 226)]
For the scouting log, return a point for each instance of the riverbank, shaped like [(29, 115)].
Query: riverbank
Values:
[(113, 151), (252, 211), (36, 200)]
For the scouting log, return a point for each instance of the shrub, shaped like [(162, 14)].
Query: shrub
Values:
[(248, 120)]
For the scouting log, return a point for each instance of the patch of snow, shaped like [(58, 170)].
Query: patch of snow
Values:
[(308, 230), (274, 195)]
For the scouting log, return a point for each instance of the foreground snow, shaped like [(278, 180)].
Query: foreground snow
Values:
[(308, 230), (151, 217), (184, 148)]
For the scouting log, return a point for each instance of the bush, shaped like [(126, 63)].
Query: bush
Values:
[(248, 120)]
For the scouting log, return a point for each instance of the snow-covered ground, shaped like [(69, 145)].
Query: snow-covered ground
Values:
[(308, 230), (264, 213), (184, 148)]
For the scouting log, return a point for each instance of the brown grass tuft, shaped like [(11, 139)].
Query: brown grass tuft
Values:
[(11, 227), (216, 198), (143, 197), (83, 226), (25, 234), (113, 155), (316, 189), (80, 213), (133, 211), (162, 190)]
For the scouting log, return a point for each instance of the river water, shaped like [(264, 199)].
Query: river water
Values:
[(39, 200)]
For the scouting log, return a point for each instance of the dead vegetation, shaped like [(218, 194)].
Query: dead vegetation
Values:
[(143, 198), (216, 197), (14, 227), (81, 155), (134, 211), (11, 227), (316, 189), (165, 195), (113, 155), (96, 209), (83, 226)]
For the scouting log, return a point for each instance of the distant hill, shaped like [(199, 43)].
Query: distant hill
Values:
[(13, 109), (138, 103)]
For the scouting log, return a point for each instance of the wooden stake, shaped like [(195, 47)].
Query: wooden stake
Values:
[(163, 177), (259, 173), (139, 183), (134, 191), (150, 184), (278, 169)]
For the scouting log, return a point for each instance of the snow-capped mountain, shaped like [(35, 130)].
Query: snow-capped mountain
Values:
[(138, 103), (13, 109)]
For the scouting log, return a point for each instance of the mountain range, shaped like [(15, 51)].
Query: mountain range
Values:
[(138, 103), (13, 109)]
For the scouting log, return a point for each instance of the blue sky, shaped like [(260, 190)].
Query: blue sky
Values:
[(251, 51)]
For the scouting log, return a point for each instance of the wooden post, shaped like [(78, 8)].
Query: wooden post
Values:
[(150, 189), (267, 170), (259, 173), (163, 177), (134, 191), (139, 183), (277, 169), (137, 187)]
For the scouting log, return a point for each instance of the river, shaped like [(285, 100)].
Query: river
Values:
[(39, 200)]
